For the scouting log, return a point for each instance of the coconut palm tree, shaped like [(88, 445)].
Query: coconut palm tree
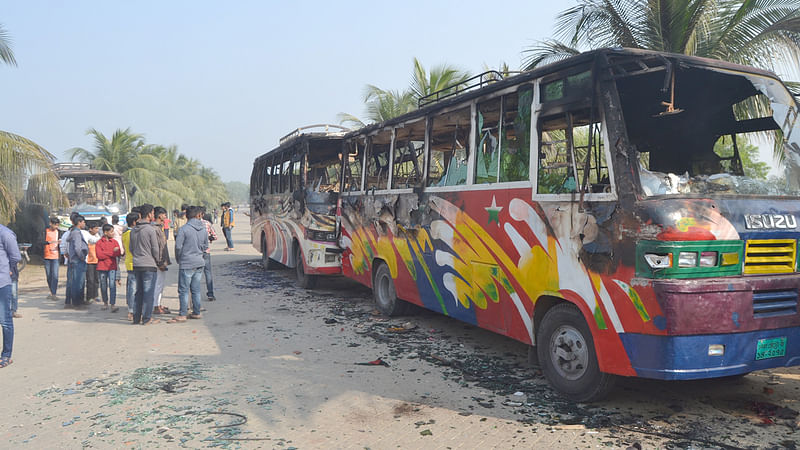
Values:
[(382, 104), (21, 159), (755, 33)]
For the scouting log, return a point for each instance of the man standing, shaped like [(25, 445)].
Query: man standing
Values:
[(190, 245), (227, 225), (9, 257), (146, 253), (51, 257), (212, 236), (78, 251), (161, 275), (130, 280)]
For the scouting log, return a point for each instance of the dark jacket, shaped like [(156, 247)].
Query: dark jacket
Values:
[(190, 245), (78, 248), (144, 246)]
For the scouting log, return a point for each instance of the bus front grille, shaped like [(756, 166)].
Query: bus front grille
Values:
[(763, 256), (774, 303)]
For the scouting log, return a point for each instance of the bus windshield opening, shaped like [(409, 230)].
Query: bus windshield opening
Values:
[(712, 131)]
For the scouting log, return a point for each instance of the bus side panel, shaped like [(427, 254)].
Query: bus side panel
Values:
[(485, 257)]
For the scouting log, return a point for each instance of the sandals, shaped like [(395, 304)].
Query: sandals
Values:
[(178, 319), (114, 309), (195, 316), (5, 362), (151, 322)]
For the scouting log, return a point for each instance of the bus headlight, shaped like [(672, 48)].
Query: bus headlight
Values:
[(687, 259), (657, 261), (708, 259)]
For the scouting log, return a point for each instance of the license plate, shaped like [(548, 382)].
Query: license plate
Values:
[(771, 348)]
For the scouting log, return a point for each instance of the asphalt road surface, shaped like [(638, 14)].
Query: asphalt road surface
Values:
[(273, 366)]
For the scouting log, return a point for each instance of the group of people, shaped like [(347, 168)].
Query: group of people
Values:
[(94, 260), (94, 252)]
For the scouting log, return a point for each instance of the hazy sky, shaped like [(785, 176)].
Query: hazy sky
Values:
[(224, 80)]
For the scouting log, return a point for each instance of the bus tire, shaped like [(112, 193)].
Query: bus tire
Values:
[(385, 294), (266, 261), (567, 355), (304, 280)]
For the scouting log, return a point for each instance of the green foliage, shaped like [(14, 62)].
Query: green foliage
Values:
[(6, 55), (382, 104), (756, 33), (158, 174), (751, 163), (238, 192), (22, 160)]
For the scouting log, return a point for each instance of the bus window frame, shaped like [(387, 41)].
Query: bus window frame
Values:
[(534, 163), (354, 140), (424, 177), (472, 160)]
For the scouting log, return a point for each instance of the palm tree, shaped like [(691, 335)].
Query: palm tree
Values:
[(382, 104), (22, 159), (6, 55), (749, 32), (442, 77)]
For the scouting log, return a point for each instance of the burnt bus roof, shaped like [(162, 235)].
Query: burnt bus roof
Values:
[(302, 138), (585, 58), (88, 173)]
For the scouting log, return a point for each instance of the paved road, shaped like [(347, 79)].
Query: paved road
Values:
[(274, 366)]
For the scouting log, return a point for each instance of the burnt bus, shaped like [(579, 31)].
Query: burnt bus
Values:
[(624, 212), (293, 199)]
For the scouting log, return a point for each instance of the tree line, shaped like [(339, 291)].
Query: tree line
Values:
[(154, 173)]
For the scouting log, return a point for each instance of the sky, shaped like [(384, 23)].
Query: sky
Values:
[(225, 80)]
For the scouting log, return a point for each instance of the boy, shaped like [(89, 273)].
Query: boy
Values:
[(91, 264), (130, 287), (51, 242), (108, 250), (77, 251)]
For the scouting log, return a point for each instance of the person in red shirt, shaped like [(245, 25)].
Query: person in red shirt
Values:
[(108, 250), (51, 241)]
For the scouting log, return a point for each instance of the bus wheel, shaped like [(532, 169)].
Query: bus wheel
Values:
[(304, 280), (567, 355), (266, 261), (385, 295)]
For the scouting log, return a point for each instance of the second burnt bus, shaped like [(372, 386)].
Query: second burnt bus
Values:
[(614, 210), (293, 199)]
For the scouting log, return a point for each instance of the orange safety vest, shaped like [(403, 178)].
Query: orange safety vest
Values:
[(51, 249)]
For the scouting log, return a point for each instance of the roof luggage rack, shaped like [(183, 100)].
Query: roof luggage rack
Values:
[(308, 128), (477, 82)]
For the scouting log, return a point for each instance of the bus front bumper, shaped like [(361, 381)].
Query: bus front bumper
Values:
[(690, 357)]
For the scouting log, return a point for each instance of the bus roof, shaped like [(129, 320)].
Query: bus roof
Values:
[(553, 68), (70, 169), (299, 136)]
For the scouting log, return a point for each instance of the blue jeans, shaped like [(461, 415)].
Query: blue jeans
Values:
[(70, 281), (6, 320), (228, 237), (144, 298), (78, 281), (209, 276), (108, 285), (14, 296), (130, 290), (189, 280), (51, 272)]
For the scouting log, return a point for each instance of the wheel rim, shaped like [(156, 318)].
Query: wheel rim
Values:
[(569, 352)]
